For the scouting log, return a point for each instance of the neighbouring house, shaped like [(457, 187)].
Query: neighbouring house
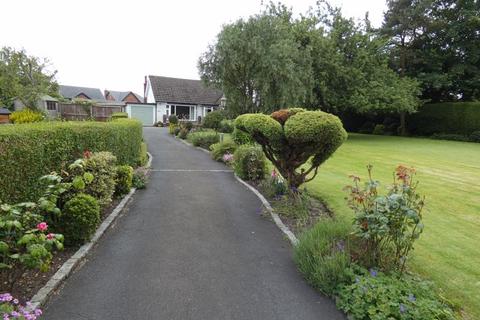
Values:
[(123, 96), (46, 103), (189, 100), (74, 92), (4, 115)]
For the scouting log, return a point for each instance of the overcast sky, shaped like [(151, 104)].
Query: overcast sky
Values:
[(114, 44)]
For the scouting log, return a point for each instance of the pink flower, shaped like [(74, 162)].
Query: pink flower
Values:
[(274, 173), (42, 226), (50, 236)]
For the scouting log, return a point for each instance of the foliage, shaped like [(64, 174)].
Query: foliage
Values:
[(475, 136), (379, 129), (240, 137), (30, 150), (459, 118), (249, 162), (449, 136), (322, 255), (183, 133), (80, 218), (171, 128), (173, 119), (176, 131), (291, 137), (139, 179), (102, 166), (274, 185), (374, 295), (123, 180), (10, 308), (119, 115), (204, 139), (26, 116), (213, 119), (143, 159), (221, 148), (25, 78), (387, 225), (226, 126)]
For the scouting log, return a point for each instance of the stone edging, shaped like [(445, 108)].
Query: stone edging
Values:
[(276, 218), (42, 295)]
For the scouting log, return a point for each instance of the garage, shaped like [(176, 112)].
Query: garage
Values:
[(144, 112)]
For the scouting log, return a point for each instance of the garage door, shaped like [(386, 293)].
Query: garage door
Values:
[(143, 113)]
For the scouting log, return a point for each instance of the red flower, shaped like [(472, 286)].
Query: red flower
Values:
[(87, 154)]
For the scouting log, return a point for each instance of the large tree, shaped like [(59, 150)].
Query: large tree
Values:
[(24, 77)]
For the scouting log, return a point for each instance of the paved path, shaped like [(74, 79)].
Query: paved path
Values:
[(191, 246)]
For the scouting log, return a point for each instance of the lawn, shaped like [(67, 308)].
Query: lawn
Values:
[(449, 174)]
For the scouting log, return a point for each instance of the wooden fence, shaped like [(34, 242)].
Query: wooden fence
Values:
[(82, 112)]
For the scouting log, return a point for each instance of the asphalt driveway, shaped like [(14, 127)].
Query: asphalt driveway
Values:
[(193, 245)]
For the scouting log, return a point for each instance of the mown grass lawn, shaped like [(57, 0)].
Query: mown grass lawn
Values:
[(448, 251)]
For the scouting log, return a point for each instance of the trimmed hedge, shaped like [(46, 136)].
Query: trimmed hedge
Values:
[(29, 151), (453, 117)]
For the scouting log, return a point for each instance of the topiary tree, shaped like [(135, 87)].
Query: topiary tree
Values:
[(291, 137)]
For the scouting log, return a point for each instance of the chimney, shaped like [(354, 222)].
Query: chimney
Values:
[(145, 90)]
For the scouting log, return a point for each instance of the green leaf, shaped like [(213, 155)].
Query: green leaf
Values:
[(88, 177), (78, 183)]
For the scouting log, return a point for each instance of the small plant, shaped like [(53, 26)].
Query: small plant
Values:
[(222, 148), (204, 139), (475, 136), (250, 162), (227, 158), (140, 178), (171, 128), (226, 126), (10, 308), (379, 129), (119, 115), (102, 166), (123, 180), (26, 115), (387, 225), (183, 133), (173, 119), (187, 125), (176, 131), (213, 119), (80, 218)]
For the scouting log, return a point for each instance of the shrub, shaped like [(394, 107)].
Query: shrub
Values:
[(183, 133), (30, 150), (173, 119), (294, 136), (379, 129), (475, 136), (123, 180), (450, 136), (102, 166), (187, 125), (80, 218), (26, 115), (171, 128), (143, 159), (274, 185), (226, 126), (249, 162), (374, 295), (212, 119), (140, 178), (222, 148), (322, 255), (367, 127), (119, 115), (240, 137), (176, 131), (204, 139)]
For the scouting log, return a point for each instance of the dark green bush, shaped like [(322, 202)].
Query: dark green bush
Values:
[(119, 115), (322, 255), (173, 119), (28, 151), (226, 126), (212, 119), (183, 133), (449, 136), (379, 129), (103, 167), (221, 148), (475, 136), (452, 117), (249, 162), (123, 180), (79, 219), (204, 139)]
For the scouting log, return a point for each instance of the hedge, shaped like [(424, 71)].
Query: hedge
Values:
[(29, 151), (449, 117)]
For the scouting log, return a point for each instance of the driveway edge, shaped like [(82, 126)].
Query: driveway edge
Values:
[(42, 295)]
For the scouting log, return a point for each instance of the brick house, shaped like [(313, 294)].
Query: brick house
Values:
[(123, 96)]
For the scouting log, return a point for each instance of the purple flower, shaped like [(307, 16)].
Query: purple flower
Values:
[(38, 312), (15, 301), (4, 297), (373, 273), (411, 298), (403, 308), (341, 245)]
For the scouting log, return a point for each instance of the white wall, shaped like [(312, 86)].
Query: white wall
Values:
[(161, 110)]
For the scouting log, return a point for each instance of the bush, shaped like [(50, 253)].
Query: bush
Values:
[(222, 148), (119, 115), (379, 129), (26, 115), (449, 117), (249, 162), (30, 150), (173, 119), (475, 136), (450, 136), (123, 180), (187, 125), (240, 137), (183, 133), (143, 159), (204, 139), (212, 119), (102, 166), (367, 127), (171, 128), (80, 218), (322, 255), (226, 126), (176, 131), (140, 178), (374, 295)]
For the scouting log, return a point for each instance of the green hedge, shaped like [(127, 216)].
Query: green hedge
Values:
[(29, 151), (453, 117)]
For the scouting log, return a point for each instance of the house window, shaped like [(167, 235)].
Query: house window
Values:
[(51, 106), (183, 112)]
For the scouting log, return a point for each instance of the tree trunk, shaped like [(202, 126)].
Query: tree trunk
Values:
[(403, 128)]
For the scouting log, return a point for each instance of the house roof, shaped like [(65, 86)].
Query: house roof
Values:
[(70, 92), (120, 95), (4, 111), (183, 91)]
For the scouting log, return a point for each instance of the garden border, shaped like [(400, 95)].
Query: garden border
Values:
[(276, 218), (42, 295)]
